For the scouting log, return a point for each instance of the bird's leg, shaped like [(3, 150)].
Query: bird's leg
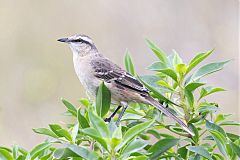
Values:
[(125, 105), (112, 115)]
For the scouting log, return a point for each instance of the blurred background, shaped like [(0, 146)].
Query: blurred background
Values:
[(36, 70)]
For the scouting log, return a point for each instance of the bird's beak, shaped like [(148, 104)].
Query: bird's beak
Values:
[(65, 40)]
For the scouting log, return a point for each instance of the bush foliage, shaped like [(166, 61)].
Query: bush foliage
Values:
[(144, 133)]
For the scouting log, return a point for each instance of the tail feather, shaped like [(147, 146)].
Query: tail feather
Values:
[(168, 113)]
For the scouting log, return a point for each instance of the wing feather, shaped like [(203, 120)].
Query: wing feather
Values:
[(110, 72)]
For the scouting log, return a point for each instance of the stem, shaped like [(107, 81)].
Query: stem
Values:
[(113, 157), (202, 133), (183, 99), (168, 128)]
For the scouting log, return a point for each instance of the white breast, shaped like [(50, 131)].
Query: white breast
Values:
[(85, 73)]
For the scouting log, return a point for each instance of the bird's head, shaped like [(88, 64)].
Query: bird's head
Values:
[(80, 44)]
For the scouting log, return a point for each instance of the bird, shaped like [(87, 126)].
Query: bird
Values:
[(92, 68)]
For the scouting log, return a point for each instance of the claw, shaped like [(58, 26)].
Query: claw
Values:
[(107, 119)]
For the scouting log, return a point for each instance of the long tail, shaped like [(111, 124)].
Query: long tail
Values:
[(163, 109)]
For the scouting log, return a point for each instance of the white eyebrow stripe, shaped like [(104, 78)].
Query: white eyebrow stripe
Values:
[(86, 39)]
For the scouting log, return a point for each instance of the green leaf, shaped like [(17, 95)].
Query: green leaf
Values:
[(5, 155), (165, 84), (129, 64), (205, 108), (99, 125), (190, 97), (170, 156), (229, 123), (134, 131), (235, 148), (158, 52), (176, 59), (195, 138), (5, 148), (64, 133), (82, 120), (112, 127), (183, 152), (83, 152), (63, 153), (116, 137), (45, 131), (91, 132), (212, 126), (218, 156), (21, 157), (208, 69), (162, 146), (220, 141), (84, 101), (15, 151), (193, 86), (169, 72), (103, 100), (74, 132), (221, 117), (181, 68), (230, 152), (233, 137), (22, 151), (156, 66), (131, 116), (170, 61), (47, 156), (197, 59), (200, 150), (159, 67), (144, 136), (133, 146), (70, 107), (59, 131), (141, 157), (28, 157), (209, 90), (116, 131), (218, 135), (39, 149), (151, 83), (155, 133), (195, 119)]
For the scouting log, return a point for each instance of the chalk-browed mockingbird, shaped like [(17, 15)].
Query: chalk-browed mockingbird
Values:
[(92, 68)]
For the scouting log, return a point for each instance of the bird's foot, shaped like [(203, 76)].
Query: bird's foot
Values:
[(108, 119)]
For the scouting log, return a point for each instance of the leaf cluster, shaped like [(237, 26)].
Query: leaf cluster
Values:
[(144, 132)]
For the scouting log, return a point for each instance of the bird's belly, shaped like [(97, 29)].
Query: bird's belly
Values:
[(90, 83)]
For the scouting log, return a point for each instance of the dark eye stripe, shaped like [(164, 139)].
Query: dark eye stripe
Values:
[(76, 40), (81, 40)]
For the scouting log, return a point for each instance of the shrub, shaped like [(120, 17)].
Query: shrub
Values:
[(144, 133)]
